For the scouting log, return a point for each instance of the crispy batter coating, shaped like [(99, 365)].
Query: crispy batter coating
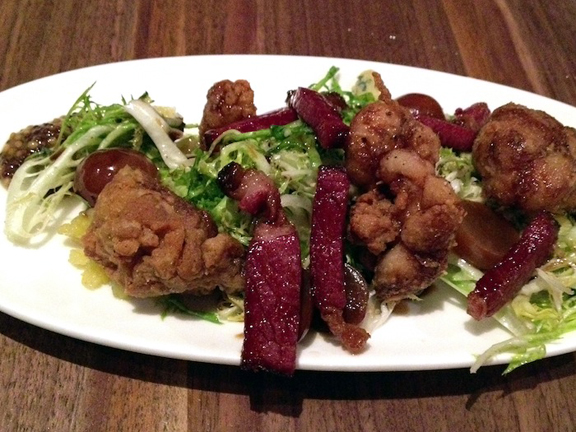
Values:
[(527, 159), (380, 128), (154, 243), (431, 213), (227, 102), (373, 221), (410, 231), (409, 217)]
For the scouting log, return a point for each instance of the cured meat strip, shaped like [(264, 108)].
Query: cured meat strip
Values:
[(327, 255), (278, 117), (254, 191), (502, 282), (451, 135), (273, 274), (458, 133), (272, 299), (326, 245), (321, 115)]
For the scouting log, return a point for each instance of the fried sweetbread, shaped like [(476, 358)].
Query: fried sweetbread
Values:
[(153, 243)]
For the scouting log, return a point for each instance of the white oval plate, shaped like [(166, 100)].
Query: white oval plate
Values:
[(39, 286)]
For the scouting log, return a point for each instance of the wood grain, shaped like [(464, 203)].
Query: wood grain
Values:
[(52, 382)]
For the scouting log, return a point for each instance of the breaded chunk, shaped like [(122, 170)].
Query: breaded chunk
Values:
[(378, 129), (226, 102), (152, 242), (527, 159), (408, 217)]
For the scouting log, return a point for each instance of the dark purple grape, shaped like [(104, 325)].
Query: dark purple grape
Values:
[(421, 104), (98, 169)]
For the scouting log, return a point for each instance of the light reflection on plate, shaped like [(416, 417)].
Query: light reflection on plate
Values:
[(39, 286)]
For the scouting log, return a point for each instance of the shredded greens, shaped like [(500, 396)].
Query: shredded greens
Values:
[(173, 304), (158, 129), (45, 179), (288, 154), (458, 170)]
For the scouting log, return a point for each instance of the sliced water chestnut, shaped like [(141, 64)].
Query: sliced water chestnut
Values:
[(98, 169), (484, 237)]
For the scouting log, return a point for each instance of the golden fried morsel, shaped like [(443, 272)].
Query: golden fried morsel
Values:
[(226, 103), (374, 222), (153, 243), (408, 218), (411, 231), (527, 159), (431, 212), (379, 128)]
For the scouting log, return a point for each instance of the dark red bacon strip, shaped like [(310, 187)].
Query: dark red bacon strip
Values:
[(458, 133), (502, 282), (321, 115), (327, 255), (272, 299), (255, 192), (336, 100), (451, 135), (273, 274), (278, 117)]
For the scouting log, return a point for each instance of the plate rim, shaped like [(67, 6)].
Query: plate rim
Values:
[(234, 359)]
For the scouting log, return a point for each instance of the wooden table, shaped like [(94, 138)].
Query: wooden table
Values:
[(52, 382)]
